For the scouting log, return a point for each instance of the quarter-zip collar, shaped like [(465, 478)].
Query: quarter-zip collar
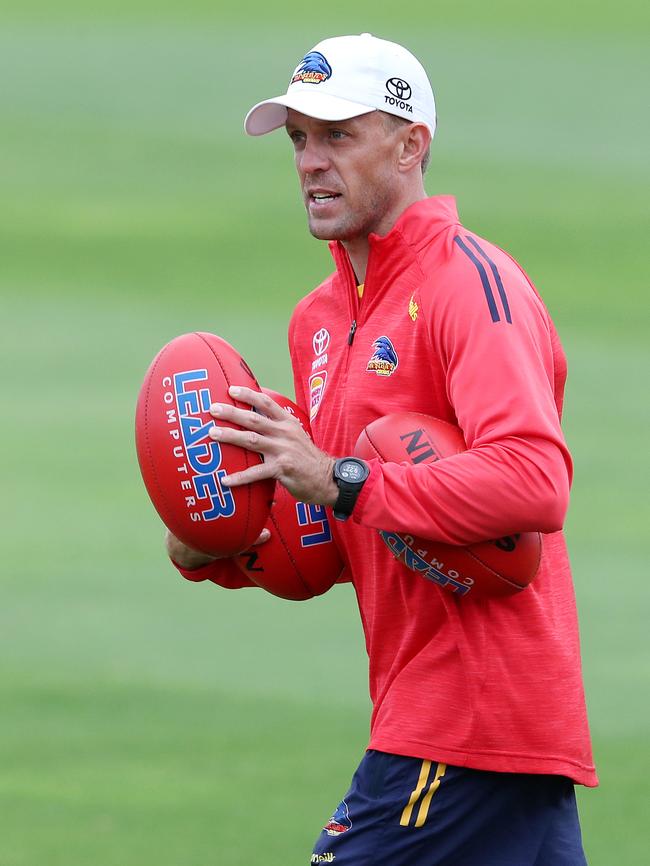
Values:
[(395, 254)]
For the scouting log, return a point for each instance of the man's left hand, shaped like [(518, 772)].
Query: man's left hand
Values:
[(289, 454)]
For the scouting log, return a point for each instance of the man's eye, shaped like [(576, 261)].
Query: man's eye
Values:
[(337, 133)]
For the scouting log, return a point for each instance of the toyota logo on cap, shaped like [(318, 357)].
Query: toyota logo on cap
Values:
[(399, 88)]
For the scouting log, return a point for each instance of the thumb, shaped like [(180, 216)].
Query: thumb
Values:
[(264, 535)]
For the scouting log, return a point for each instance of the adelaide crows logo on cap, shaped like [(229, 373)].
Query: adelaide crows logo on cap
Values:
[(384, 359), (312, 69)]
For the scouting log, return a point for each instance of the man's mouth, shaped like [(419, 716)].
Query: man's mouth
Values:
[(322, 197)]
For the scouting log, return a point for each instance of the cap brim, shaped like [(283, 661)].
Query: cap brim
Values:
[(272, 113)]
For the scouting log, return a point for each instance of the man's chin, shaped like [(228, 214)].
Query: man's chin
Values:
[(326, 230), (322, 230)]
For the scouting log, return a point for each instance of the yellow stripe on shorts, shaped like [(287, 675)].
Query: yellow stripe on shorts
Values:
[(415, 795), (426, 800)]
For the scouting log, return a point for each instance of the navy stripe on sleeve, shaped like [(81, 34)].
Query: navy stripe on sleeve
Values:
[(496, 275), (487, 288)]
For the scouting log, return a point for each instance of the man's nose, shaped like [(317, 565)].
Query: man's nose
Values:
[(313, 157)]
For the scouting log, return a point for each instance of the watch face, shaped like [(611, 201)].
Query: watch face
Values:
[(351, 470)]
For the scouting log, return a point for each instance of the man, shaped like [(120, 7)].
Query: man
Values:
[(479, 727)]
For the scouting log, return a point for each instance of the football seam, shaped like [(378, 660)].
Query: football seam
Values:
[(290, 555), (374, 447), (502, 577)]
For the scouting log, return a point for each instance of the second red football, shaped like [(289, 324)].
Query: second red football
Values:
[(301, 559), (488, 569)]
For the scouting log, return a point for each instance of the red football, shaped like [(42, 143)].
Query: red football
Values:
[(300, 560), (181, 466), (485, 570)]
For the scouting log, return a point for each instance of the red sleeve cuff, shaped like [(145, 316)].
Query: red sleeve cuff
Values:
[(371, 480)]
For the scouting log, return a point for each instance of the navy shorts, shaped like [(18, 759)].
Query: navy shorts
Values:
[(409, 812)]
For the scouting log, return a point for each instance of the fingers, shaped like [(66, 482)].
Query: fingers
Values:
[(248, 476), (289, 454), (242, 417), (264, 535), (185, 556), (261, 419), (247, 439), (257, 429), (263, 404)]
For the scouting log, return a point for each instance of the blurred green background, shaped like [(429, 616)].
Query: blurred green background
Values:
[(147, 720)]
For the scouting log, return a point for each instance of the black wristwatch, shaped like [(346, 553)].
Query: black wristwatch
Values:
[(350, 474)]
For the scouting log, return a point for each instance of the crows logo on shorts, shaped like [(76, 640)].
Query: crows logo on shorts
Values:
[(340, 821), (312, 69)]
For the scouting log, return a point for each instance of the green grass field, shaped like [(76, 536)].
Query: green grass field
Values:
[(146, 720)]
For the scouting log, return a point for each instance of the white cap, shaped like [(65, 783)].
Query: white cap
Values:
[(347, 76)]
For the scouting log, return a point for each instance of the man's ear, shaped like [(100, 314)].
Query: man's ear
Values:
[(417, 139)]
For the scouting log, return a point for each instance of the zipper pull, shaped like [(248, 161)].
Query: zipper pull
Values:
[(353, 330)]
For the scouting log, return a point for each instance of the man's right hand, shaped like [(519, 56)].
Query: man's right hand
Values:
[(189, 559)]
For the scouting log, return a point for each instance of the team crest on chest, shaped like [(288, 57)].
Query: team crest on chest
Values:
[(383, 360)]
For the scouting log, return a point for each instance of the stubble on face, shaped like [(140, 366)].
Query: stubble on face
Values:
[(356, 222)]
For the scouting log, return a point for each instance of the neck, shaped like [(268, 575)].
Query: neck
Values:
[(358, 248)]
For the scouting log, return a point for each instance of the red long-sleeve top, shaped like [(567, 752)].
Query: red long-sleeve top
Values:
[(451, 326)]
